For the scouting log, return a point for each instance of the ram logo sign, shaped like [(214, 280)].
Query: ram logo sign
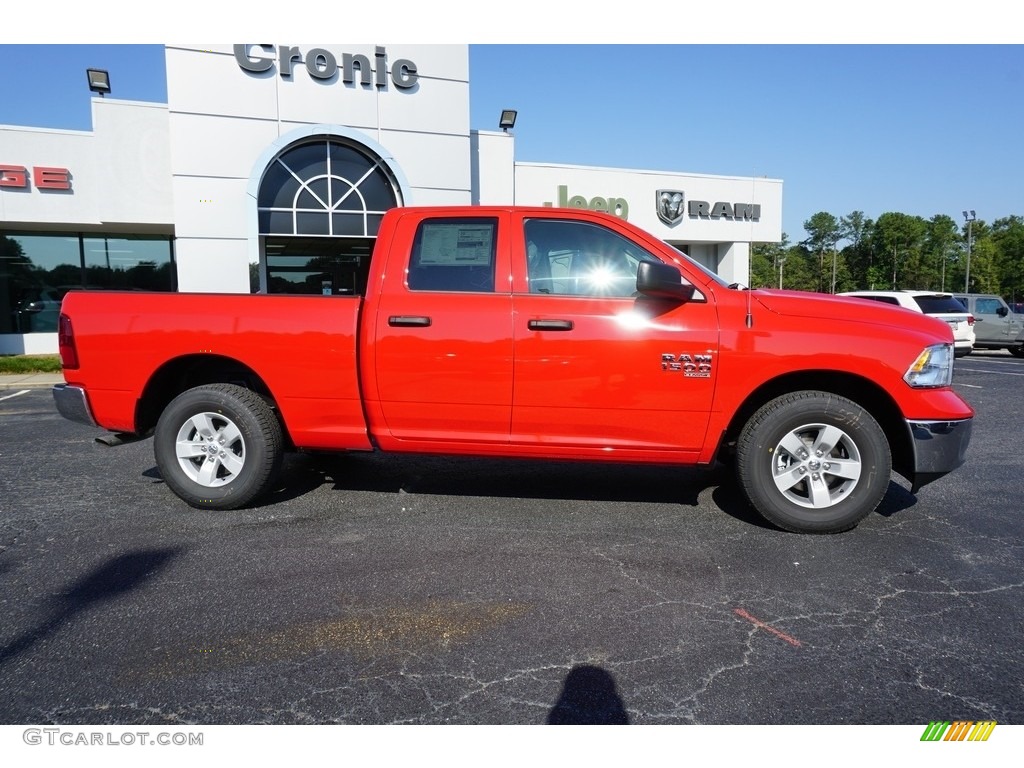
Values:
[(701, 209), (691, 366), (670, 206)]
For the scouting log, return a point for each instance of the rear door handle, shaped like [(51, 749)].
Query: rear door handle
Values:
[(408, 321), (549, 325)]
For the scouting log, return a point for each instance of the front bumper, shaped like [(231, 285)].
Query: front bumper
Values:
[(73, 404), (939, 448)]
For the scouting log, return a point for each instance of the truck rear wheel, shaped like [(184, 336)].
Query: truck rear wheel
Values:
[(218, 446), (813, 462)]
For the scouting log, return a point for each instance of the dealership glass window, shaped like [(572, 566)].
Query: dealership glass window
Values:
[(324, 266), (135, 263), (37, 269), (319, 208), (325, 188)]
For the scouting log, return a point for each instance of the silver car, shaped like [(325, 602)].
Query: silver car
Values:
[(996, 326)]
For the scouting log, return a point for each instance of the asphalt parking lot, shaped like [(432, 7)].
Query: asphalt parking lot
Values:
[(379, 590)]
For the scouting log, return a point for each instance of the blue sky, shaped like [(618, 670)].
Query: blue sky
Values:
[(919, 128)]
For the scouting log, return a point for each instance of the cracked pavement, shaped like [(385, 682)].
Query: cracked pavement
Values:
[(375, 589)]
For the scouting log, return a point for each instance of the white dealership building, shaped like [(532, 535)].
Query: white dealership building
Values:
[(271, 165)]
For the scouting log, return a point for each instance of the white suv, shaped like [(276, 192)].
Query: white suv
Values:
[(939, 305)]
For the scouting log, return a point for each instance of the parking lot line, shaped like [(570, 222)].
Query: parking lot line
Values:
[(981, 370), (758, 623)]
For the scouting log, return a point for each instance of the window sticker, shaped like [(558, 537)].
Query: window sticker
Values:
[(457, 245)]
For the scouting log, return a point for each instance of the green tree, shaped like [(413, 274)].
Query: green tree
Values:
[(1008, 236), (855, 229), (823, 234), (767, 263), (981, 257), (941, 242), (800, 270), (900, 251), (984, 273), (898, 239)]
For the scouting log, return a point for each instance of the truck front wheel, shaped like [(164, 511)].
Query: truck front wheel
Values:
[(813, 462), (218, 446)]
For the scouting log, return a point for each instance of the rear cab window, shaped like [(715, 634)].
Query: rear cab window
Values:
[(454, 254)]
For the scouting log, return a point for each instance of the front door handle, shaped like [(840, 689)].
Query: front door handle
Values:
[(408, 321), (549, 325)]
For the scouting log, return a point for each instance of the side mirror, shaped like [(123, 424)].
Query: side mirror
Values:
[(1002, 311), (663, 281)]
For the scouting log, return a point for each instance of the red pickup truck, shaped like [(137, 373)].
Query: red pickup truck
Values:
[(542, 333)]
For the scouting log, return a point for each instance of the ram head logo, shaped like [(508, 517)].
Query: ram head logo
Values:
[(670, 206)]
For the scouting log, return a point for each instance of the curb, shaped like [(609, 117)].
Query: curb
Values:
[(29, 380)]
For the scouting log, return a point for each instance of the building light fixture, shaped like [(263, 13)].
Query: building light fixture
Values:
[(99, 80), (508, 119)]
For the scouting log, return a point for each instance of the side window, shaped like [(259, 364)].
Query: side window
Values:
[(879, 299), (987, 306), (574, 258), (454, 255)]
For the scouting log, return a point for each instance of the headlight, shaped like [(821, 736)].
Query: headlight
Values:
[(933, 367)]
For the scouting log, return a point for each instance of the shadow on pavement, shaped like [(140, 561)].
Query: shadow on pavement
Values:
[(589, 697), (507, 478), (119, 575), (526, 479)]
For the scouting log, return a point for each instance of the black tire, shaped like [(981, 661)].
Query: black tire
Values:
[(1017, 351), (231, 442), (796, 487)]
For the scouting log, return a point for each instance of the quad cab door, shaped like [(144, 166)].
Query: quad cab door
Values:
[(441, 354), (601, 372)]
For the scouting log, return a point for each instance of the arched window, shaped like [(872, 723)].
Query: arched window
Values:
[(325, 188), (319, 208)]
